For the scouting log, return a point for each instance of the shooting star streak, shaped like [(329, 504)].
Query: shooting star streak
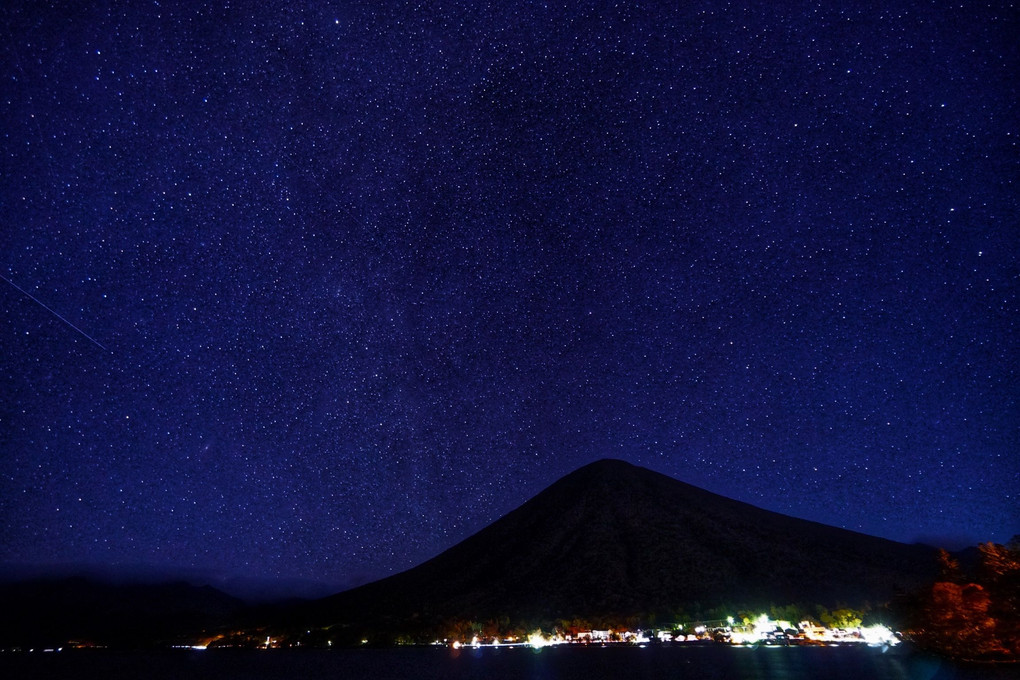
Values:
[(40, 303)]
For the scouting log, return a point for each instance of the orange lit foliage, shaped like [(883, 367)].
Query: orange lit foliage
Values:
[(974, 619), (957, 620), (999, 561), (1000, 571)]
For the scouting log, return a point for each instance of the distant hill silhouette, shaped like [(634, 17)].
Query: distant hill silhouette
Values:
[(52, 612), (613, 539)]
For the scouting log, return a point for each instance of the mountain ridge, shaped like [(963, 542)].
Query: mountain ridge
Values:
[(612, 538), (608, 541), (53, 611)]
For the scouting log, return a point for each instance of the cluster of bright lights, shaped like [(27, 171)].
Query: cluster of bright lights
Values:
[(763, 626), (879, 635), (538, 641), (760, 629), (743, 638)]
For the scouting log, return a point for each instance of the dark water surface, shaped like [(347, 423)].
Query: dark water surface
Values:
[(580, 663)]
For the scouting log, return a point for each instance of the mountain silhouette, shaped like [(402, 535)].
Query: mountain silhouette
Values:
[(614, 539), (606, 542), (55, 611)]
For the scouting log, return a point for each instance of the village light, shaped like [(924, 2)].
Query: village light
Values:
[(763, 625), (538, 641), (879, 635)]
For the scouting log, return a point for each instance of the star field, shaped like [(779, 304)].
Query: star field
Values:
[(317, 289)]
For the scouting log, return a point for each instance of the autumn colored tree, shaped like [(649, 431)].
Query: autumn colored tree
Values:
[(1000, 572), (956, 620), (972, 615), (949, 567)]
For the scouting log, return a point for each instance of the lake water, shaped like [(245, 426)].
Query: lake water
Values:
[(578, 663)]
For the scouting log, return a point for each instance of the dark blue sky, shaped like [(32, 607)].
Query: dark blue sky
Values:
[(322, 288)]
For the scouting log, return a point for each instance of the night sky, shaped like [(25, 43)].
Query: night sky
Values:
[(315, 290)]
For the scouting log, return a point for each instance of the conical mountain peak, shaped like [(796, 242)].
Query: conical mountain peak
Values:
[(615, 539)]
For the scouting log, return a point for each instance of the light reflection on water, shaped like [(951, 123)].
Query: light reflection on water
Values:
[(708, 662)]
